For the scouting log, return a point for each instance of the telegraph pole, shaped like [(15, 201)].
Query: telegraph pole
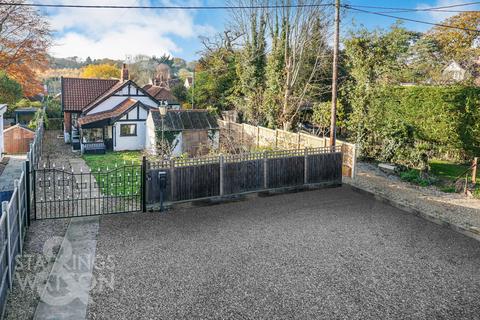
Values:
[(333, 119), (193, 87)]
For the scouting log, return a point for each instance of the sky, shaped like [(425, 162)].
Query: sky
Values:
[(122, 33)]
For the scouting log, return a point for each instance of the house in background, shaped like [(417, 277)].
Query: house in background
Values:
[(188, 82), (161, 85), (454, 72), (186, 131), (104, 114), (3, 109), (24, 115)]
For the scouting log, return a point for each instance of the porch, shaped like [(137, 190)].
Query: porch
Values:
[(96, 140)]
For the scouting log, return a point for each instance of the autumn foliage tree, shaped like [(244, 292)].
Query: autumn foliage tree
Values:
[(24, 40), (458, 42), (101, 71)]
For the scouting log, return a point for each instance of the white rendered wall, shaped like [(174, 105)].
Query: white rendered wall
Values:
[(130, 142)]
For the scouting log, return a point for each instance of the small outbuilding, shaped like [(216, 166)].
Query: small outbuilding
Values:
[(186, 131), (18, 138)]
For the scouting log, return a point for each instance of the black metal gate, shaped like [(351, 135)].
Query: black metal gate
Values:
[(62, 193)]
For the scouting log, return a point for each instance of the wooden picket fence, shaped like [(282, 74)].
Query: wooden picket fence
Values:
[(250, 137), (190, 179)]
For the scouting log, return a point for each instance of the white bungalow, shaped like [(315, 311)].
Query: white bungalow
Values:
[(104, 114)]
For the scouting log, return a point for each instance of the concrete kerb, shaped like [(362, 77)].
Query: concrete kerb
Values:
[(208, 201), (469, 232)]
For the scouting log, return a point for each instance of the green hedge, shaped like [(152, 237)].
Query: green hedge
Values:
[(407, 124)]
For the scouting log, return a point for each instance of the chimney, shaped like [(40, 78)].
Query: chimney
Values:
[(124, 73)]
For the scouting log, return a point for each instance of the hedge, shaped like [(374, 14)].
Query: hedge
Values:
[(405, 123)]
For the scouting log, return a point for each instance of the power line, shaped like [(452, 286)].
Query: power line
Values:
[(409, 19), (80, 6), (415, 9)]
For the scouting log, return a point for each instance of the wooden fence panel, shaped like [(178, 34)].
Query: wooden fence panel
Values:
[(325, 167), (284, 172), (243, 176), (197, 181)]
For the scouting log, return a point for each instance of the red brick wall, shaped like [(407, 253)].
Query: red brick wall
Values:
[(67, 122)]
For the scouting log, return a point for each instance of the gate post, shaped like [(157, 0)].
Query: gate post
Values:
[(305, 166), (27, 190), (20, 221), (221, 162), (265, 170), (144, 184)]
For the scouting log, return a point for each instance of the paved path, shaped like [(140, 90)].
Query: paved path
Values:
[(67, 292), (326, 254), (12, 171)]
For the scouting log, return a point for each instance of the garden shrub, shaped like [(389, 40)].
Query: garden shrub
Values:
[(408, 125)]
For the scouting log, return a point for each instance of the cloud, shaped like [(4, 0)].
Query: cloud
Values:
[(117, 33), (438, 16)]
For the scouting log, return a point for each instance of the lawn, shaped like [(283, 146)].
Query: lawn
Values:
[(117, 173), (110, 159), (448, 170)]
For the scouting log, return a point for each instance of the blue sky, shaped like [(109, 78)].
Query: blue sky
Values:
[(120, 33)]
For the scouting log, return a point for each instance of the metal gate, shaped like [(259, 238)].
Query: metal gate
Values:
[(60, 193)]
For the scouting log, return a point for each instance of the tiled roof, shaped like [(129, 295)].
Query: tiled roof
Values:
[(114, 113), (78, 93), (105, 95), (179, 120), (162, 93)]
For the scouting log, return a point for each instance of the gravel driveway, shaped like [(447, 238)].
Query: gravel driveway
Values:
[(325, 254)]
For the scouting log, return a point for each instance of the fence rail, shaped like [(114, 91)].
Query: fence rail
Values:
[(248, 172), (248, 136), (15, 218), (13, 227)]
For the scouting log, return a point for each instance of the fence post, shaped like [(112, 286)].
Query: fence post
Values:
[(354, 161), (298, 140), (9, 257), (265, 170), (258, 136), (276, 138), (172, 179), (221, 160), (144, 184), (474, 170), (305, 166), (242, 134), (16, 184), (27, 191)]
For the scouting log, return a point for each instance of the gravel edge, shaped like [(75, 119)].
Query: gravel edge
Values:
[(22, 302)]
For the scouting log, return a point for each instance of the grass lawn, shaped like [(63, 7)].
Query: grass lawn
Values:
[(109, 159), (123, 176), (448, 170)]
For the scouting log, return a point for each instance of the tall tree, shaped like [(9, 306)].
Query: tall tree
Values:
[(10, 90), (373, 58), (458, 43), (100, 71), (24, 39), (252, 60)]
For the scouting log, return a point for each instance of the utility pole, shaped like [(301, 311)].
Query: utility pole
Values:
[(193, 87), (333, 119)]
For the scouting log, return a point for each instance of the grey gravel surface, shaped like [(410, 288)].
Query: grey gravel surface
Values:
[(325, 254), (450, 207), (33, 266)]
